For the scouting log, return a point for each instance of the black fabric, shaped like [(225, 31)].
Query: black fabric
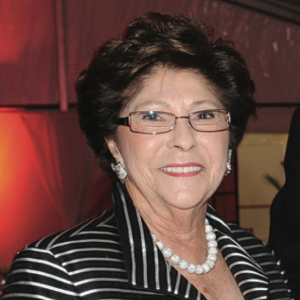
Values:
[(113, 257), (284, 238)]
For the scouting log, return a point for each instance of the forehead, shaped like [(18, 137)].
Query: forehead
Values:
[(166, 88)]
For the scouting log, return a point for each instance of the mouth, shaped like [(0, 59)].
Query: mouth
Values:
[(182, 170)]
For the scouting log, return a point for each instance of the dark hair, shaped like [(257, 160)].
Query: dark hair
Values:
[(117, 69)]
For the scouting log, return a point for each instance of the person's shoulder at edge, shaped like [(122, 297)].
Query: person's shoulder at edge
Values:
[(264, 257), (36, 266), (76, 232)]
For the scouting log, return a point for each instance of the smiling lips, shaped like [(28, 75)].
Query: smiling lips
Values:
[(182, 170)]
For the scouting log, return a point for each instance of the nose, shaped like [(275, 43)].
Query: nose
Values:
[(183, 136)]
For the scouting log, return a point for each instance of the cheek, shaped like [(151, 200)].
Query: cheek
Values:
[(216, 145), (137, 148)]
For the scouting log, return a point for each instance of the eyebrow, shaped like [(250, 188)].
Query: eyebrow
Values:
[(163, 104), (152, 103), (214, 102)]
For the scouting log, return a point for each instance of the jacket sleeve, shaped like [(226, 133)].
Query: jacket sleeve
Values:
[(37, 274)]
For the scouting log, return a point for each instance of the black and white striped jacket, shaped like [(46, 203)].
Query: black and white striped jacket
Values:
[(112, 257)]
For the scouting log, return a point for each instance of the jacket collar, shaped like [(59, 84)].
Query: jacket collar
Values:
[(147, 268)]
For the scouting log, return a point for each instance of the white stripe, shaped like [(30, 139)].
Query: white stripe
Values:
[(246, 238), (156, 267), (31, 296), (260, 255), (241, 263), (252, 280), (33, 249), (40, 261), (96, 269), (247, 272), (253, 246), (198, 296), (48, 287), (277, 291), (100, 279), (79, 260), (86, 250), (84, 241), (144, 252), (277, 281), (254, 290), (117, 290), (177, 284), (274, 272), (98, 233), (188, 289), (235, 254), (130, 235), (168, 268), (29, 271)]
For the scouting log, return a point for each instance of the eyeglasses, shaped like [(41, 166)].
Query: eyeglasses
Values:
[(157, 122)]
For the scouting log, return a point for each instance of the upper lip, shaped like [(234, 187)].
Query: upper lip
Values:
[(182, 165)]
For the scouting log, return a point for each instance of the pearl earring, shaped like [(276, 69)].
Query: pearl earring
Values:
[(228, 169), (120, 171)]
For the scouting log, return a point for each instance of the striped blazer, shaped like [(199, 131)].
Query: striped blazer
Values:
[(113, 257)]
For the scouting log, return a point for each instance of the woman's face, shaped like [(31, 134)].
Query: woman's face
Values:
[(147, 157)]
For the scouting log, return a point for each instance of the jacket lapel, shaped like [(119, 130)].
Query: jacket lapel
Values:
[(248, 274), (146, 267)]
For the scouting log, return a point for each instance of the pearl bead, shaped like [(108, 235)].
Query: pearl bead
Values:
[(212, 244), (183, 264), (210, 263), (208, 228), (160, 245), (212, 250), (154, 238), (206, 267), (167, 252), (199, 269), (175, 259), (212, 257), (191, 268), (210, 236)]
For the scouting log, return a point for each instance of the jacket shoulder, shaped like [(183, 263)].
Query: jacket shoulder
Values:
[(97, 227)]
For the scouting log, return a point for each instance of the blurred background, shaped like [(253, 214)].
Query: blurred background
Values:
[(49, 178)]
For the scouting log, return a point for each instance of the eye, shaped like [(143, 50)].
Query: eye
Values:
[(205, 115), (152, 116)]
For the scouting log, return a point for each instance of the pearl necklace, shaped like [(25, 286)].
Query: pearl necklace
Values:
[(190, 267)]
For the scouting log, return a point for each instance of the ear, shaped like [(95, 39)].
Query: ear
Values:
[(114, 150)]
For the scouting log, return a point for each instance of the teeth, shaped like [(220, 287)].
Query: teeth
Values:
[(182, 169)]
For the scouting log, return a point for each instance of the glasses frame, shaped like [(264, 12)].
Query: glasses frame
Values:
[(126, 121)]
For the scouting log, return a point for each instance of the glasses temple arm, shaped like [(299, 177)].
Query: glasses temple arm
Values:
[(123, 121)]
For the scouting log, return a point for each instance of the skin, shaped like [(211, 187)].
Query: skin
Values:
[(174, 204)]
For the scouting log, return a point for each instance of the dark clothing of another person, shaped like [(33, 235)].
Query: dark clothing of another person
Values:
[(113, 257), (284, 236)]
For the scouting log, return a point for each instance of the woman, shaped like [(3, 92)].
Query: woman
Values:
[(284, 238), (163, 106)]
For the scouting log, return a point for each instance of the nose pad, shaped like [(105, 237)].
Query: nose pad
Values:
[(190, 126)]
